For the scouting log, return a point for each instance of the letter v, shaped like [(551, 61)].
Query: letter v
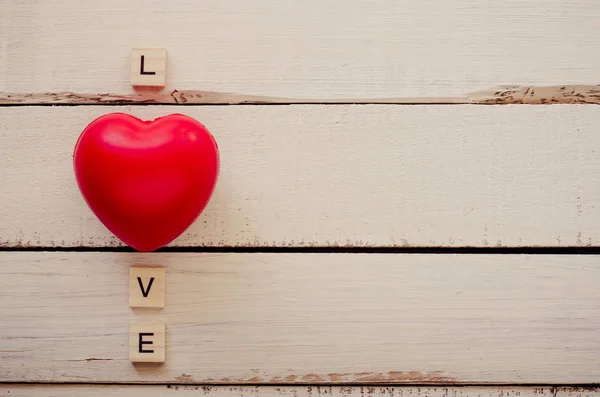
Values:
[(147, 291)]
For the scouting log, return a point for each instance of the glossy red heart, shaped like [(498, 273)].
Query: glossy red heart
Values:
[(147, 181)]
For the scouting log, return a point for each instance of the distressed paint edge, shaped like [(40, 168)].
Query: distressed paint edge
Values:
[(392, 377), (191, 97), (501, 95), (538, 95), (308, 391)]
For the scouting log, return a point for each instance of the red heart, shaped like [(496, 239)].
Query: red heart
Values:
[(147, 181)]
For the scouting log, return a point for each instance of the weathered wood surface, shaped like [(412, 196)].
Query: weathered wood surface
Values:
[(306, 318), (502, 95), (336, 176), (311, 50), (296, 391)]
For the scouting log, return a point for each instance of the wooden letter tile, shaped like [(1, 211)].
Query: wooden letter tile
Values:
[(147, 287), (147, 342), (148, 67)]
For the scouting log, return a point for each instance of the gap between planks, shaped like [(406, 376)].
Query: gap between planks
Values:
[(440, 250), (29, 390), (501, 95)]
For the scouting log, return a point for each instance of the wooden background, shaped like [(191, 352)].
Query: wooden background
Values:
[(407, 203)]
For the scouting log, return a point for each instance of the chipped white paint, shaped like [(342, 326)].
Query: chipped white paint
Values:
[(371, 175), (296, 391), (501, 95), (306, 318), (309, 49)]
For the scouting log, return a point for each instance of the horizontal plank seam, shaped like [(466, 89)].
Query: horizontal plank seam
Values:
[(316, 103), (554, 387), (592, 250), (500, 95)]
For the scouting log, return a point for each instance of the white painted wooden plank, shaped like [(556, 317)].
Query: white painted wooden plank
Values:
[(295, 391), (310, 49), (309, 318), (370, 175)]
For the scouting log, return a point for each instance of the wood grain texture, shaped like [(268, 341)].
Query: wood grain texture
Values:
[(306, 318), (336, 176), (311, 49), (296, 391)]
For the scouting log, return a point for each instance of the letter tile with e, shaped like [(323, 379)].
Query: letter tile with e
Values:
[(147, 342)]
